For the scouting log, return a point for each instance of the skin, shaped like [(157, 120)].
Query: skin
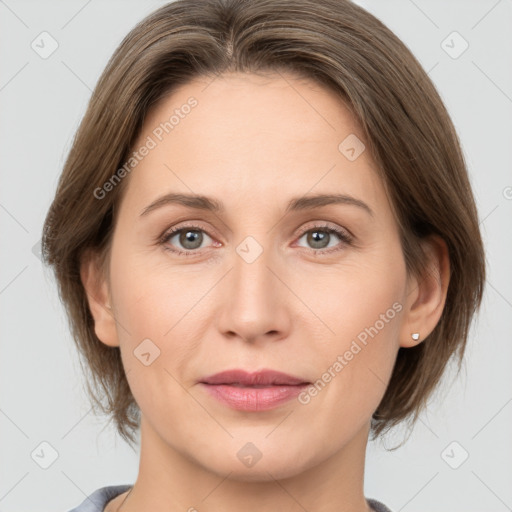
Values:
[(255, 142)]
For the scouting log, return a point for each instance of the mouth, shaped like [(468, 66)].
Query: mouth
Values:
[(259, 379), (256, 386), (260, 391)]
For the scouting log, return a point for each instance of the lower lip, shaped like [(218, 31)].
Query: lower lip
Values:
[(253, 399)]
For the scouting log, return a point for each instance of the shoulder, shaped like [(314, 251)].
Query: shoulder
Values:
[(96, 501), (377, 506)]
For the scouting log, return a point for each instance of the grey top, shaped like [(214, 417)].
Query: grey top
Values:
[(97, 501)]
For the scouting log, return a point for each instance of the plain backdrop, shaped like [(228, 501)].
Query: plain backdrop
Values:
[(459, 455)]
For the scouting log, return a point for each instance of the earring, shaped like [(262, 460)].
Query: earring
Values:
[(415, 336)]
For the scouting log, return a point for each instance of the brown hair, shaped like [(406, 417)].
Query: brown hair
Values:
[(335, 43)]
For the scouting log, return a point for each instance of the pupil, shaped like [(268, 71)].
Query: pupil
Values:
[(191, 237), (317, 239)]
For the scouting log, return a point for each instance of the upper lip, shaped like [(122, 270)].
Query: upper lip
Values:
[(260, 378)]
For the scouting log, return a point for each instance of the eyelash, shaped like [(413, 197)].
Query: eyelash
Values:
[(344, 237)]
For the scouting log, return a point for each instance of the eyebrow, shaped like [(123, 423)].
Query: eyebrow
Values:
[(205, 203)]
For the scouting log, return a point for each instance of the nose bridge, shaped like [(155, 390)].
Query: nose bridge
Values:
[(252, 279), (254, 306)]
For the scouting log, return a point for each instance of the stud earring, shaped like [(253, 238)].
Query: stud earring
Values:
[(415, 336)]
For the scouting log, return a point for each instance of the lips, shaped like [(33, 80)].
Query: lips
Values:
[(253, 392), (262, 378)]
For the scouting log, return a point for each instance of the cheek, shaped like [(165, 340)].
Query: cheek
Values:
[(363, 309), (158, 312), (152, 298), (151, 313), (359, 296)]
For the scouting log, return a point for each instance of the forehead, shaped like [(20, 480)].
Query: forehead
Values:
[(245, 135)]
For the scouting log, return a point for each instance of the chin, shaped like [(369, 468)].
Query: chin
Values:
[(276, 465), (260, 473)]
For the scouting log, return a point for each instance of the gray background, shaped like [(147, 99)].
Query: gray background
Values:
[(41, 397)]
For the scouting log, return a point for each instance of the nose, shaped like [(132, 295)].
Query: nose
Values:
[(254, 302)]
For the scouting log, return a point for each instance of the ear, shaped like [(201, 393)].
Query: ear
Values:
[(426, 295), (98, 296)]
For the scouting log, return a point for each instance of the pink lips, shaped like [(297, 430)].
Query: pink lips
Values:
[(259, 391)]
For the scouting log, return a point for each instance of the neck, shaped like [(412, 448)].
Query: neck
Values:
[(170, 480)]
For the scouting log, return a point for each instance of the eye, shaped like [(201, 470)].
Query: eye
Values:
[(319, 238), (190, 238)]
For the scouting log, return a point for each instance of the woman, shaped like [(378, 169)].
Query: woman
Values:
[(268, 248)]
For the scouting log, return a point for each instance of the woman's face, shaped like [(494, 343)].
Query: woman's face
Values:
[(262, 282)]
